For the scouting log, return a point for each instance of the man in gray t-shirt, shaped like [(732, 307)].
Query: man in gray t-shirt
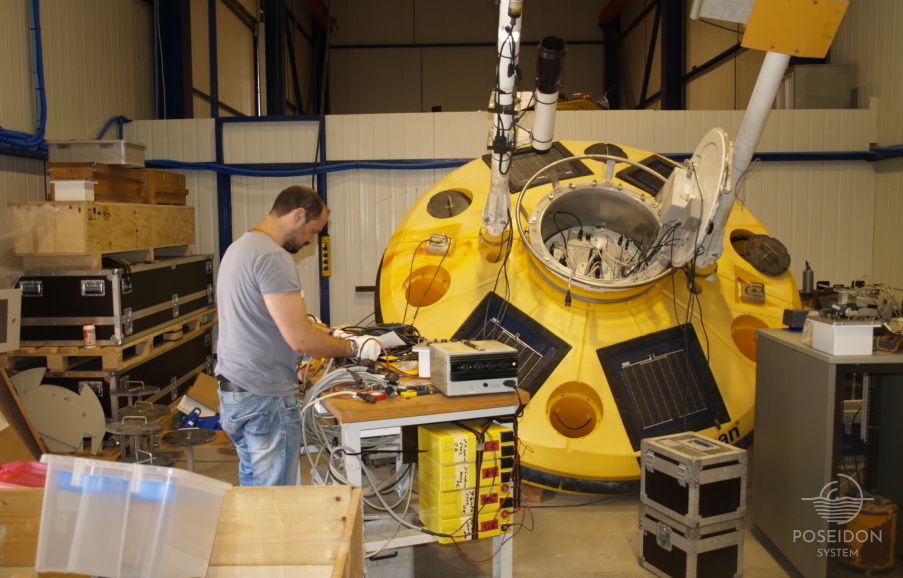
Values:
[(263, 330)]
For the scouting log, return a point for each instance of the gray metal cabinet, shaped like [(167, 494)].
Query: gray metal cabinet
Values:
[(797, 448)]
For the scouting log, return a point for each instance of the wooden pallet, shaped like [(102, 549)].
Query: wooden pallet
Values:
[(117, 357), (95, 262)]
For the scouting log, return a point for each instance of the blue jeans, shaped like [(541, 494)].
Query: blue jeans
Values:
[(266, 432)]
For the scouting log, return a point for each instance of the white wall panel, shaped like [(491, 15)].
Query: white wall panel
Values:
[(821, 211), (366, 207), (21, 179), (888, 234), (189, 140), (17, 94), (270, 142)]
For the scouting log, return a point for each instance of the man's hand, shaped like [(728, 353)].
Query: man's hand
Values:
[(369, 347)]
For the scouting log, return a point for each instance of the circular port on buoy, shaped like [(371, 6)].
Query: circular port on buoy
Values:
[(574, 410), (426, 285), (739, 237), (448, 204), (743, 332)]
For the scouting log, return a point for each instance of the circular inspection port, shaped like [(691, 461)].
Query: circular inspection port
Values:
[(739, 237), (574, 409), (426, 286), (743, 332)]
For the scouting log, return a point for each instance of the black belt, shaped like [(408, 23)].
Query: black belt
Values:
[(228, 386)]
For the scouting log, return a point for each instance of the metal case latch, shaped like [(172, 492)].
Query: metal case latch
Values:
[(93, 288), (649, 461), (208, 266), (210, 294), (32, 288), (175, 305), (174, 391), (663, 536), (128, 325), (125, 284), (682, 474)]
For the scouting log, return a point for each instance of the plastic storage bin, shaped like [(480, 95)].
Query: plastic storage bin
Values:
[(125, 520)]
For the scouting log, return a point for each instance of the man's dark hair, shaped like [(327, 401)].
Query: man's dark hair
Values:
[(296, 197)]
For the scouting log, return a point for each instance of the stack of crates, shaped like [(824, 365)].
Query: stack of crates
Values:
[(692, 506), (458, 462)]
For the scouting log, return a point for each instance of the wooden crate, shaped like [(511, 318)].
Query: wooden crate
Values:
[(164, 187), (113, 184), (82, 228), (263, 531)]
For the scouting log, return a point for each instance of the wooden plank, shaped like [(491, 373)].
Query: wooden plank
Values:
[(350, 410), (262, 531), (79, 228), (350, 560), (285, 525), (18, 440), (20, 518)]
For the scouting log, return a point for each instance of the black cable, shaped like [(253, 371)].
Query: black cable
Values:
[(410, 280), (428, 287), (572, 215)]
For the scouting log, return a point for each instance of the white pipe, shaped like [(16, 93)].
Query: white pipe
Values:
[(498, 204), (760, 104), (544, 120)]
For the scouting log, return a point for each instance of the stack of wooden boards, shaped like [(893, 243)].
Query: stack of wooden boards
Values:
[(118, 184), (692, 506), (122, 262)]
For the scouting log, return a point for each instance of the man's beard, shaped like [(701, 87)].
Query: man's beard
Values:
[(293, 247)]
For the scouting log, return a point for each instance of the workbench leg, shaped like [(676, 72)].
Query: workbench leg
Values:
[(503, 562), (351, 438)]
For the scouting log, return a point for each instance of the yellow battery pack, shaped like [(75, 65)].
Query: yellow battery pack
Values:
[(447, 477), (448, 442), (463, 502), (462, 528)]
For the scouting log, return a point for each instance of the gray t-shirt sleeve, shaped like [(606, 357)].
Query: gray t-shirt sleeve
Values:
[(276, 273)]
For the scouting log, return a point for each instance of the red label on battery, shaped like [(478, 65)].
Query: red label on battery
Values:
[(489, 525), (491, 446), (489, 499), (490, 472)]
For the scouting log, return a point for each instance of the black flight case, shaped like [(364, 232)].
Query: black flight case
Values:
[(124, 302)]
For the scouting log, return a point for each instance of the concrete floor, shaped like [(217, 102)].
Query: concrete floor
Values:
[(561, 535)]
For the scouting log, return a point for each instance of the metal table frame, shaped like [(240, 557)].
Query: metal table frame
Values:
[(354, 431)]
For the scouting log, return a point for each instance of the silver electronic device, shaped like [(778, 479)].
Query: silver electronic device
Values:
[(472, 367)]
